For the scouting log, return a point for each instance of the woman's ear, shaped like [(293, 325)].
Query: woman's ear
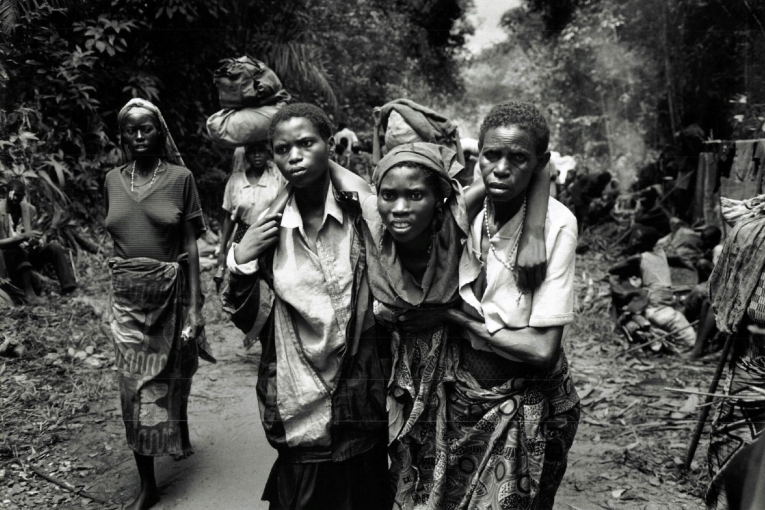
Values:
[(331, 145)]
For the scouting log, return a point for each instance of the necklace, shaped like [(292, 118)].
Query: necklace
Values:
[(510, 262), (132, 177)]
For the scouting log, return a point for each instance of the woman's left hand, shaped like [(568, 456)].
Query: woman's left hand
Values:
[(413, 321), (532, 260), (195, 323)]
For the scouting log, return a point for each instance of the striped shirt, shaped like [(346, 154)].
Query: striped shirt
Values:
[(149, 222)]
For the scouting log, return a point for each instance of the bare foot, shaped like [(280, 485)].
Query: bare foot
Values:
[(187, 452), (146, 499)]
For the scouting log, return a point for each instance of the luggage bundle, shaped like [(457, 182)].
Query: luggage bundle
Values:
[(250, 94)]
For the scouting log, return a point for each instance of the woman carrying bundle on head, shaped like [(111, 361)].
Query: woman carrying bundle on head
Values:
[(250, 190), (154, 218)]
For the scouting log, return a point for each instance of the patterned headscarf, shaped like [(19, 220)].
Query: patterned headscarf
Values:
[(169, 151), (390, 282)]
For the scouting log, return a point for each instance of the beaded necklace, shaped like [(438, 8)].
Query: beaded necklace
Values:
[(509, 265), (132, 177)]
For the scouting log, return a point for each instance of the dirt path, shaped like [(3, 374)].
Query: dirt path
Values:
[(232, 459), (61, 415)]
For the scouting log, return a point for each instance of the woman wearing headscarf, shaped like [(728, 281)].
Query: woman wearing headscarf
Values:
[(154, 218), (417, 224)]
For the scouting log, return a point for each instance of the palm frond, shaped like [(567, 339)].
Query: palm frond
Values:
[(300, 63)]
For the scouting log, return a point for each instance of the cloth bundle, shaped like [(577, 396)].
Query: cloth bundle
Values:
[(250, 94), (735, 211), (404, 121)]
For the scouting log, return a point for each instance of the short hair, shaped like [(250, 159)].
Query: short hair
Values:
[(16, 184), (314, 114), (515, 113)]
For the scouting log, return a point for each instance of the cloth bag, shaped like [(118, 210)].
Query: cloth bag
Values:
[(244, 82), (234, 128)]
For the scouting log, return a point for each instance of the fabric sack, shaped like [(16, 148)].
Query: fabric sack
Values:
[(244, 82), (235, 128)]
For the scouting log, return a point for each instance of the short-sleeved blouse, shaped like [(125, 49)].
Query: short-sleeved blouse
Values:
[(150, 223), (254, 198), (503, 305)]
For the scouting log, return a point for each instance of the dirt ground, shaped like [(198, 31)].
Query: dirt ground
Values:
[(60, 414)]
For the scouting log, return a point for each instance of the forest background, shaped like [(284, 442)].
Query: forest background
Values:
[(616, 78)]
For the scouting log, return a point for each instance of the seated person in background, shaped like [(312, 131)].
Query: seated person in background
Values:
[(360, 163), (651, 266), (650, 213), (693, 246), (22, 247), (583, 191), (341, 153)]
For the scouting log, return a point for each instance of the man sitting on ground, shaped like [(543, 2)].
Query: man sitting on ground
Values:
[(22, 247)]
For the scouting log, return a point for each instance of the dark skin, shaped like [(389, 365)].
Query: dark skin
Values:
[(143, 137), (257, 156), (302, 156), (508, 160), (13, 207)]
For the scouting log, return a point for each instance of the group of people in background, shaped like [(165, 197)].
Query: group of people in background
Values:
[(411, 329)]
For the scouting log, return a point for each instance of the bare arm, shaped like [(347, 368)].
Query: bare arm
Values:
[(345, 180), (474, 197), (532, 255), (538, 347), (194, 319), (12, 242)]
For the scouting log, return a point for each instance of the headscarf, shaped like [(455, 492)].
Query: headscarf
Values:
[(169, 152), (391, 284)]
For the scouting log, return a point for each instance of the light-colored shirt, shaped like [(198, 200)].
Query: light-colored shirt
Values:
[(313, 284), (503, 305), (254, 199)]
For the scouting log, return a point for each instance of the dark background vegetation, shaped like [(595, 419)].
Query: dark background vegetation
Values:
[(616, 78)]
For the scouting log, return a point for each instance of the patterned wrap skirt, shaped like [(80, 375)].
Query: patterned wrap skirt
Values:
[(458, 442), (155, 365)]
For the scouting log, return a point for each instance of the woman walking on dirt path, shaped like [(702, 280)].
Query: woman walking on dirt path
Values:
[(414, 231), (512, 413), (154, 218)]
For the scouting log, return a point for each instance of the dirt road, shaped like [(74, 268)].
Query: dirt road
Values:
[(232, 459)]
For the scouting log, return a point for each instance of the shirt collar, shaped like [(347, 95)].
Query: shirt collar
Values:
[(291, 217), (268, 173)]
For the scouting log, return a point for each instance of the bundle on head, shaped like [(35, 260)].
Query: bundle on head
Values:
[(404, 121), (250, 94)]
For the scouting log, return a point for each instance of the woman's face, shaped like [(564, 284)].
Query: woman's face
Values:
[(406, 203), (141, 133), (508, 159), (300, 152), (257, 155)]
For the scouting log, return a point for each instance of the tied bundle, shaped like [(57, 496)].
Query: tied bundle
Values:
[(250, 94)]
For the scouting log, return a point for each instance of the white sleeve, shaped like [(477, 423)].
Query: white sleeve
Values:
[(553, 302), (248, 268)]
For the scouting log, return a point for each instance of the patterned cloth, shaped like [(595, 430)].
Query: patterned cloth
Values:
[(737, 422), (477, 447), (149, 307), (737, 273)]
